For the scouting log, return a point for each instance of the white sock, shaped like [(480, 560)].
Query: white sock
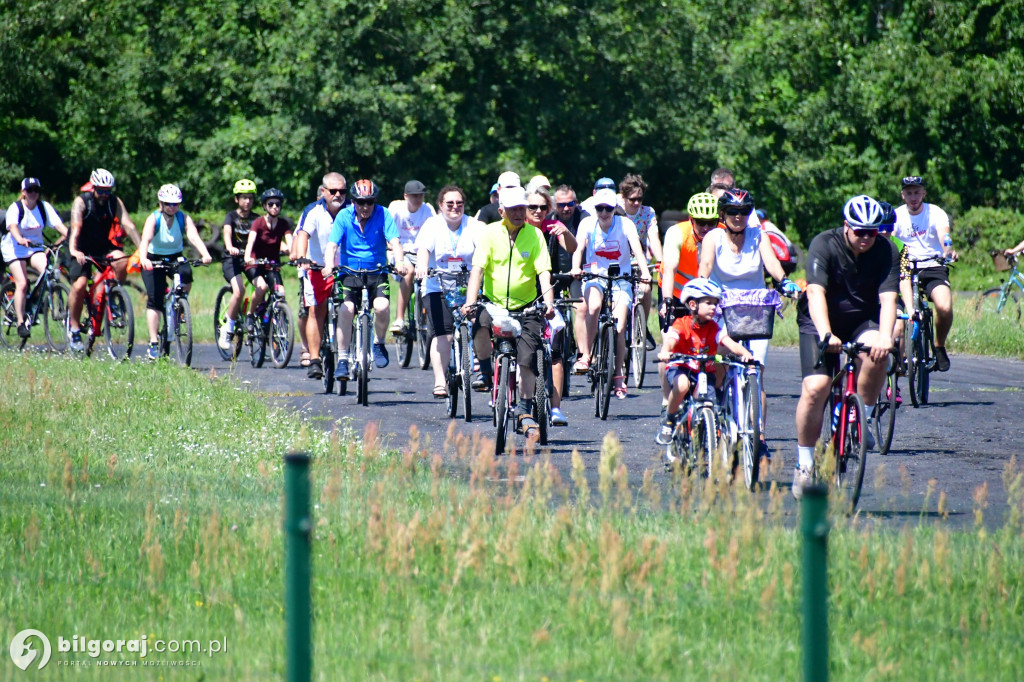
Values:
[(805, 456), (869, 410), (230, 325)]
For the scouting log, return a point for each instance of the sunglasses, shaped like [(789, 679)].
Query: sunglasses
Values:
[(102, 192), (170, 205), (869, 232), (273, 204), (605, 209), (566, 204), (454, 204), (31, 190), (334, 192), (366, 202), (537, 207), (635, 200), (705, 223), (736, 211)]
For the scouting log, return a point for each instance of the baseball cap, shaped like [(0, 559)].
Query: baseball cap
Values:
[(415, 187), (31, 182), (494, 188), (913, 180), (605, 197), (540, 181), (509, 179), (604, 183), (510, 197)]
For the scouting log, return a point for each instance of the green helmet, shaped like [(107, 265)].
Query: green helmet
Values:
[(703, 206), (244, 186)]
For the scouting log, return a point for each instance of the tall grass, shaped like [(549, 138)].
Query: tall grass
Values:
[(147, 499)]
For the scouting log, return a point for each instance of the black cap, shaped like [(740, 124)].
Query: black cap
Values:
[(415, 187), (29, 183), (913, 180)]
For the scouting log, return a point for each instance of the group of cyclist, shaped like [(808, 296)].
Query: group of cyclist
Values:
[(721, 249)]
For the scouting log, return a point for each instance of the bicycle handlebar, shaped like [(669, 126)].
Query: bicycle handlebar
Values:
[(850, 348)]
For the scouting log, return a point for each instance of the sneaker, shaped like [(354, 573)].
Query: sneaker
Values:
[(250, 325), (869, 435), (153, 351), (899, 398), (802, 477), (398, 326), (316, 369), (557, 418), (941, 360), (668, 427), (23, 331), (380, 355), (224, 340), (76, 341), (341, 372), (481, 383), (651, 343)]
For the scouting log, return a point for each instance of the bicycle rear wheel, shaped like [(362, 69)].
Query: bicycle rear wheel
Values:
[(467, 372), (501, 407), (258, 342), (703, 440), (328, 359), (884, 416), (638, 346), (750, 433), (364, 329), (407, 339), (541, 399), (220, 318), (8, 319), (851, 455), (55, 315), (183, 331), (282, 334), (988, 303), (606, 377), (119, 324)]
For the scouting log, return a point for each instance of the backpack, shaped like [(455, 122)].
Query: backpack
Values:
[(116, 233), (783, 248), (21, 215)]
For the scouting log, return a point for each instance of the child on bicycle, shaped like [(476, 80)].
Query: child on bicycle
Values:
[(269, 238), (693, 334)]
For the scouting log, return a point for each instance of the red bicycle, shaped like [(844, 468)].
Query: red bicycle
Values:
[(108, 311)]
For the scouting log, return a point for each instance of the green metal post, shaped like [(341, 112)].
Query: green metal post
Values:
[(297, 529), (813, 523)]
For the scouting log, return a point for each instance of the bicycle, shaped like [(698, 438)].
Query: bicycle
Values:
[(695, 440), (272, 322), (602, 357), (843, 425), (460, 360), (1003, 300), (920, 335), (47, 298), (220, 318), (636, 341), (108, 311), (414, 333), (884, 414), (565, 305), (362, 332), (177, 313)]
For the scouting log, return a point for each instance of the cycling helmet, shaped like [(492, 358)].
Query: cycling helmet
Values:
[(102, 178), (863, 212), (735, 198), (244, 186), (700, 287), (272, 193), (703, 206), (169, 194), (365, 189), (888, 217)]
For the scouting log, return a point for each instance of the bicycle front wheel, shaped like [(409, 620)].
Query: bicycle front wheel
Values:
[(638, 346), (750, 433), (992, 302), (220, 318), (703, 441), (916, 370), (606, 379), (258, 343), (282, 334), (851, 451), (8, 319), (884, 416), (183, 331), (541, 399), (422, 334), (501, 406), (365, 329), (55, 315), (119, 324), (467, 372), (407, 338)]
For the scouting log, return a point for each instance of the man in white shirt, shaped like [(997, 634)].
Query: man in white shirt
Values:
[(924, 230), (409, 214)]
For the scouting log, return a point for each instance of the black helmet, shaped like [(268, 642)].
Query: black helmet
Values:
[(272, 193), (365, 189), (735, 198), (888, 217)]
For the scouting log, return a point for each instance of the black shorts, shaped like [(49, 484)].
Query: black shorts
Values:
[(809, 349), (352, 288), (156, 280), (253, 272), (440, 320), (929, 278), (76, 269), (232, 267), (528, 344)]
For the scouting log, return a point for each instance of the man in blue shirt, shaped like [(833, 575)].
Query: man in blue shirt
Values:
[(363, 232)]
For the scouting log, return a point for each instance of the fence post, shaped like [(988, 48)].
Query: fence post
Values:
[(814, 525), (297, 527)]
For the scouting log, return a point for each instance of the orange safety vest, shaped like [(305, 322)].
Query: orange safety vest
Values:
[(689, 258)]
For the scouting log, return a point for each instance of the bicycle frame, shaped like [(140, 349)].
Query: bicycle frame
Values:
[(98, 293), (362, 335)]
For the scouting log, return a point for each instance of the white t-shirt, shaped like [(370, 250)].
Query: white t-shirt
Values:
[(449, 250), (919, 233), (409, 224), (318, 224), (605, 248), (731, 270), (30, 227)]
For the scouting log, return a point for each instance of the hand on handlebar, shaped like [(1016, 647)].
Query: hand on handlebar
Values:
[(834, 343), (79, 256), (207, 259), (232, 251), (402, 268), (146, 263), (549, 311), (881, 347)]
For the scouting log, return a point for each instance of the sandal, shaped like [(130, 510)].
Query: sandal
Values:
[(527, 425), (440, 392), (304, 359), (620, 390), (582, 366)]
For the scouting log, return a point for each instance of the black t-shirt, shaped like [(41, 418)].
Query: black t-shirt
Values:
[(561, 260), (239, 228), (852, 283), (489, 213)]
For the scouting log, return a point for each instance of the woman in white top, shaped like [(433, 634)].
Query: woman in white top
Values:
[(26, 219), (445, 242)]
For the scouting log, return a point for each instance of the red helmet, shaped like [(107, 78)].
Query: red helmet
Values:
[(365, 189)]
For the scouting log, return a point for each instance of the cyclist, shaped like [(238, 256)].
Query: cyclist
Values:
[(852, 283), (560, 240), (409, 214), (237, 224), (924, 230), (693, 334), (737, 257), (603, 239), (99, 223), (587, 206), (510, 260), (446, 242), (269, 237), (26, 219), (163, 239), (312, 238), (364, 232), (632, 189)]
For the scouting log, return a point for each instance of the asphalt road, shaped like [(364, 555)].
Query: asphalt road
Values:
[(957, 445)]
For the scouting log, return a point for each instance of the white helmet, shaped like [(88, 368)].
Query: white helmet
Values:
[(169, 194), (863, 212), (700, 287), (101, 177)]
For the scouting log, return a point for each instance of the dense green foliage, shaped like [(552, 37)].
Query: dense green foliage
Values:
[(809, 102)]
